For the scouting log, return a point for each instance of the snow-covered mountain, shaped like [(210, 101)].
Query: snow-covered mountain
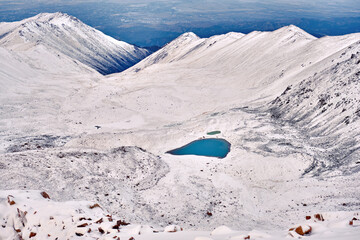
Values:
[(236, 68), (64, 35), (286, 101), (187, 44)]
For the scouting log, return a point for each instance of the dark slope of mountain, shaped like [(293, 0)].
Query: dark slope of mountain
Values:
[(71, 37)]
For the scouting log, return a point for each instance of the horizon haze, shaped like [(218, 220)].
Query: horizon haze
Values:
[(157, 22)]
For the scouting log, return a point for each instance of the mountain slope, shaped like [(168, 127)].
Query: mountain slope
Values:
[(326, 106), (223, 71), (186, 45), (71, 37)]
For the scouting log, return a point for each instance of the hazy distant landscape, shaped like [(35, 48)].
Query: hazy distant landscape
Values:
[(156, 22)]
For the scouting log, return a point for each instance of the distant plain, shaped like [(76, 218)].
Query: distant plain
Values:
[(157, 22)]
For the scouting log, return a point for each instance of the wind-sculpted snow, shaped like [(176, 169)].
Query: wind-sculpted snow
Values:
[(69, 36)]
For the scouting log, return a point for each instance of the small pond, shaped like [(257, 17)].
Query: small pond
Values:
[(209, 147), (213, 132)]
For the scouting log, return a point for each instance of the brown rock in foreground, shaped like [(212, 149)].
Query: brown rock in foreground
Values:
[(94, 206), (319, 217), (301, 230), (32, 234), (45, 195), (10, 200)]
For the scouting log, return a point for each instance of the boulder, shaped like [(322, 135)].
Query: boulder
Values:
[(301, 230), (319, 217)]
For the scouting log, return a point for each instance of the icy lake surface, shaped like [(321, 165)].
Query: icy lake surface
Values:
[(209, 147)]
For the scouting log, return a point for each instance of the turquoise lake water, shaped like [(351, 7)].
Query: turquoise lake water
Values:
[(209, 147)]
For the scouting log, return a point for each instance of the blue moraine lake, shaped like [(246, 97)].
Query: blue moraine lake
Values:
[(208, 147)]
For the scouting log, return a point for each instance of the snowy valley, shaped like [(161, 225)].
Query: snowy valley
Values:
[(287, 102)]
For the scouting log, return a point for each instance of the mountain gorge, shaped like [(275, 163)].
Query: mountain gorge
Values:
[(286, 101)]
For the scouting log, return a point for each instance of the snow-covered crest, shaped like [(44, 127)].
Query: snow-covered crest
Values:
[(188, 44), (69, 36)]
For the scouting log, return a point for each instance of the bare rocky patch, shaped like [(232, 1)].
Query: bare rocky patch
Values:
[(36, 143), (113, 178)]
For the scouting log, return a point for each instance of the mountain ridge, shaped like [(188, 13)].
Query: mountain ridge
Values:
[(251, 61), (71, 37)]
